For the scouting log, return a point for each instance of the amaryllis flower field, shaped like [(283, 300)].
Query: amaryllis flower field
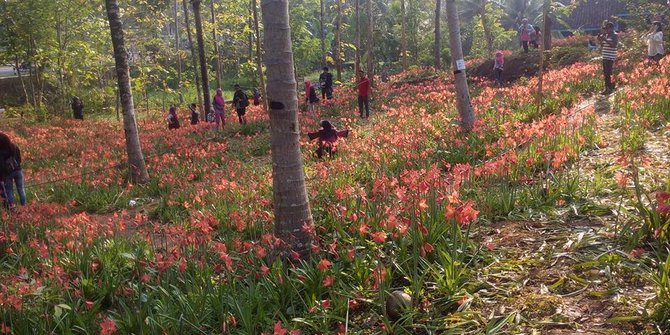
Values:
[(543, 220)]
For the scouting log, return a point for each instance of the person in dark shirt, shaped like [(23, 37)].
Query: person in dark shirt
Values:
[(77, 108), (10, 170), (195, 115), (326, 84), (172, 119), (327, 137), (240, 102)]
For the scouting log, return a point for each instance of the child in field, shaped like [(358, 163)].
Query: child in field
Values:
[(327, 137), (173, 121), (257, 96), (498, 67), (240, 102), (310, 96), (219, 109), (195, 115), (210, 115)]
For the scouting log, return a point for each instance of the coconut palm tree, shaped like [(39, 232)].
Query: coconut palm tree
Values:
[(291, 205), (137, 167)]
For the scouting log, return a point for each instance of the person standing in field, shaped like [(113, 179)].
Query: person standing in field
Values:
[(195, 115), (609, 42), (77, 108), (363, 86), (219, 109), (257, 96), (172, 119), (240, 101), (326, 84), (498, 64), (654, 39), (525, 32), (10, 170), (536, 37), (310, 96)]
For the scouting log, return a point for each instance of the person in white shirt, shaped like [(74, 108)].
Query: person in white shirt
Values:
[(654, 39)]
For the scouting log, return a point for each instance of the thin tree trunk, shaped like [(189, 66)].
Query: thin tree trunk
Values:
[(194, 61), (291, 204), (259, 59), (403, 35), (138, 170), (178, 52), (438, 36), (217, 55), (201, 51), (61, 65), (548, 24), (23, 84), (540, 78), (31, 80), (37, 90), (371, 40), (462, 95), (322, 34), (488, 36), (251, 34), (338, 41), (118, 105), (357, 59)]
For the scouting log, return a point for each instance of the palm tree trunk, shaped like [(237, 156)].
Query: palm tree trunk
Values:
[(61, 65), (548, 24), (178, 52), (217, 55), (487, 30), (338, 41), (137, 168), (259, 62), (371, 42), (438, 36), (201, 51), (462, 95), (540, 78), (194, 61), (403, 35), (357, 60), (322, 34), (291, 205)]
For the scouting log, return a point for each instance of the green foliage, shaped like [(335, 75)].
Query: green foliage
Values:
[(502, 38)]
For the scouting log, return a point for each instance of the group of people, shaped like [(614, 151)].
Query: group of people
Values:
[(326, 85), (529, 35), (609, 43), (217, 113), (11, 173)]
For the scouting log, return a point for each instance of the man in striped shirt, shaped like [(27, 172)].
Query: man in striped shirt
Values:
[(609, 41)]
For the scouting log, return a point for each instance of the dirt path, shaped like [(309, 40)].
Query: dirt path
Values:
[(570, 275)]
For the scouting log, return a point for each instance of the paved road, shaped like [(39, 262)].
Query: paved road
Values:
[(7, 71)]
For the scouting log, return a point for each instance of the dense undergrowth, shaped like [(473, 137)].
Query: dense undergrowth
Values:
[(395, 209)]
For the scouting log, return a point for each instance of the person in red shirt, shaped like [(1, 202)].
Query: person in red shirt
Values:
[(363, 85)]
